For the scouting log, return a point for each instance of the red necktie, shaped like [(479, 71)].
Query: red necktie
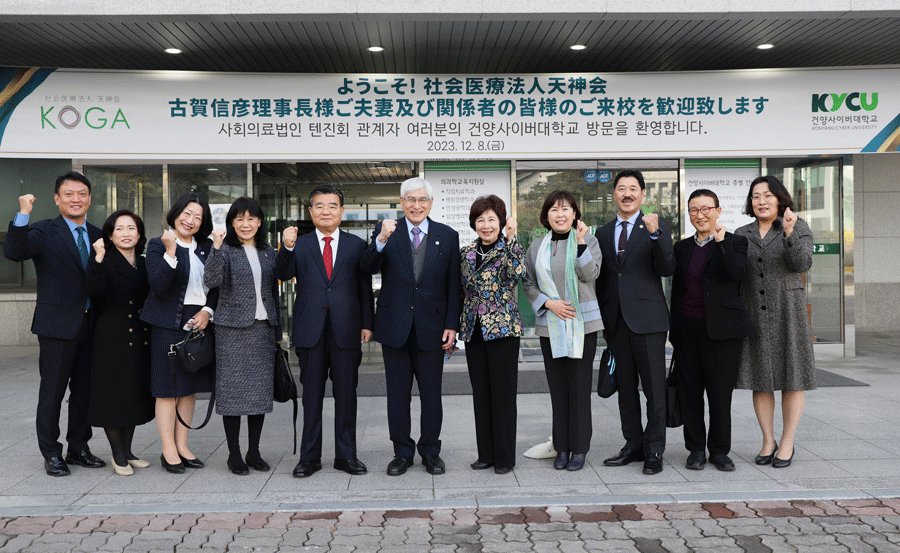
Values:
[(326, 255)]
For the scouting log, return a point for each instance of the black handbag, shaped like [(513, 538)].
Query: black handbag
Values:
[(285, 388), (606, 383), (673, 409), (197, 351)]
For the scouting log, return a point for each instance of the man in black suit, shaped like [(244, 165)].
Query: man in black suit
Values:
[(60, 250), (637, 253), (709, 321), (417, 318), (333, 315)]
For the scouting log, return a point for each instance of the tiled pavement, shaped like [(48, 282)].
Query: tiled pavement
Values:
[(838, 495), (774, 526)]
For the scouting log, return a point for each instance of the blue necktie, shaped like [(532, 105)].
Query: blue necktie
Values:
[(416, 240), (82, 247)]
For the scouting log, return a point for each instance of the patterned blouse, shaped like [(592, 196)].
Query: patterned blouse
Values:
[(490, 291)]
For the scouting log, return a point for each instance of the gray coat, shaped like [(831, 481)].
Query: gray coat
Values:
[(779, 354), (587, 268), (245, 347)]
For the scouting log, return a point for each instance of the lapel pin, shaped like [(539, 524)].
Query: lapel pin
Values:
[(641, 226), (437, 243)]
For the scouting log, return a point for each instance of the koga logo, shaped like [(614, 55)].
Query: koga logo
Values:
[(854, 101), (69, 117)]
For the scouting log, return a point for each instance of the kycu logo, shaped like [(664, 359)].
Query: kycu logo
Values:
[(853, 100), (69, 117)]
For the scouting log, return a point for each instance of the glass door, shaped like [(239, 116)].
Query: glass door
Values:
[(815, 186)]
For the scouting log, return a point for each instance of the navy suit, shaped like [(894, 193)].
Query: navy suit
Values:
[(329, 316), (63, 327), (635, 317), (410, 320)]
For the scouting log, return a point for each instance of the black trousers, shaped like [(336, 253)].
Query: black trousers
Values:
[(400, 366), (641, 356), (64, 363), (570, 383), (494, 373), (316, 365), (706, 365)]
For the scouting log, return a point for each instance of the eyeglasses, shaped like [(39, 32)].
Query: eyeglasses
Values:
[(413, 200), (704, 210)]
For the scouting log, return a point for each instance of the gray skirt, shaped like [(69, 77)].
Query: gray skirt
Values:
[(245, 369)]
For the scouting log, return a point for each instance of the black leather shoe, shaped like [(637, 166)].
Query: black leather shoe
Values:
[(192, 463), (177, 468), (766, 459), (624, 457), (576, 461), (783, 463), (237, 465), (481, 465), (696, 461), (502, 470), (653, 464), (307, 468), (561, 461), (353, 466), (256, 463), (55, 466), (722, 462), (85, 459), (399, 465), (433, 464)]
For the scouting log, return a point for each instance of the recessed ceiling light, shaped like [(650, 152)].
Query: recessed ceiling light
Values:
[(212, 169), (376, 49), (172, 51), (765, 46), (577, 47)]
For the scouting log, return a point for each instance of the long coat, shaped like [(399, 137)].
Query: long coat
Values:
[(490, 291), (120, 354), (779, 354)]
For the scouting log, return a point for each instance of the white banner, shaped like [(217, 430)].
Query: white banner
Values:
[(189, 115), (455, 190)]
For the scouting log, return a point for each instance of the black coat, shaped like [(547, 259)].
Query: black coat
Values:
[(723, 271), (120, 354)]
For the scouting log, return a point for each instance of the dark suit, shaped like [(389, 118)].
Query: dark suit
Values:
[(410, 321), (707, 350), (329, 316), (63, 327), (635, 317)]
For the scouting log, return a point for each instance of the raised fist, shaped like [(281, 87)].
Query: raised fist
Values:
[(100, 248), (581, 231), (511, 226), (289, 237), (388, 226), (168, 240), (719, 232), (652, 222), (26, 202), (790, 218), (218, 236)]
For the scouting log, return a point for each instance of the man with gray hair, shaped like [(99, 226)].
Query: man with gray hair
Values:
[(416, 318)]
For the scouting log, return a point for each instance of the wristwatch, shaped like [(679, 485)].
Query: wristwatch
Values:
[(656, 234)]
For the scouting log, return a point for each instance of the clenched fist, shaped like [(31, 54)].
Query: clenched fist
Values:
[(26, 202), (790, 218), (719, 233), (511, 226), (289, 237), (652, 222), (388, 226), (218, 237), (100, 249), (581, 232), (168, 240)]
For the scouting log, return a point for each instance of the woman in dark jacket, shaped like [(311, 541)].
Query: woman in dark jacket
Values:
[(178, 299), (242, 267), (120, 371), (491, 269), (779, 353), (708, 323)]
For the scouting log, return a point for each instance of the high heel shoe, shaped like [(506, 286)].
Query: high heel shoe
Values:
[(191, 463), (138, 463), (766, 459), (121, 471), (177, 468), (784, 463)]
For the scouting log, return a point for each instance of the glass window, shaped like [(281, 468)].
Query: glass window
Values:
[(134, 187)]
